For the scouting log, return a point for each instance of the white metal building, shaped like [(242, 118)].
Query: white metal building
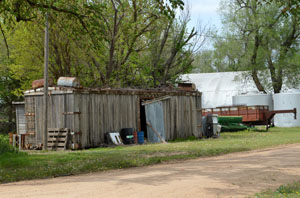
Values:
[(219, 88)]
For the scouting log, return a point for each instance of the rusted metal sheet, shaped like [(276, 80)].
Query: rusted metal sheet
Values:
[(68, 82), (249, 113), (143, 93), (29, 114), (70, 113), (187, 86), (40, 83)]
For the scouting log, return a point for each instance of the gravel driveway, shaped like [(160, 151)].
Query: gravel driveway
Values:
[(233, 175)]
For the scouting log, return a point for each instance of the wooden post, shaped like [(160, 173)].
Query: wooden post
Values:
[(161, 139), (46, 59)]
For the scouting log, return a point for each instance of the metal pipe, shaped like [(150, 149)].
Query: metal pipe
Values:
[(20, 142), (46, 59), (14, 140)]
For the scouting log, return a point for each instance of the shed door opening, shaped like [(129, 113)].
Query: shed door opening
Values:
[(155, 117), (143, 119)]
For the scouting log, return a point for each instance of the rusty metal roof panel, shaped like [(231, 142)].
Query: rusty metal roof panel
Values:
[(115, 91)]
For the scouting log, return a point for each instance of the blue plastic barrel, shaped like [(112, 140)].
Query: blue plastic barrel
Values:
[(140, 137)]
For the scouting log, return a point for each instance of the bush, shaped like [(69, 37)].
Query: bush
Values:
[(4, 145), (6, 127)]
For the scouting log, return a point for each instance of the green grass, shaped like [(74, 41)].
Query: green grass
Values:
[(40, 164), (288, 191)]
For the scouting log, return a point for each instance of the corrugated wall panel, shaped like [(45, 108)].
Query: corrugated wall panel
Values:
[(21, 120)]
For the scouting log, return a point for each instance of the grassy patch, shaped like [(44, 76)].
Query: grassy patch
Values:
[(290, 191), (41, 164)]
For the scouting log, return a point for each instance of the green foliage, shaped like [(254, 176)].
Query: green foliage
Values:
[(170, 51), (103, 43), (6, 126), (40, 164), (4, 145), (8, 92), (288, 7), (26, 47), (290, 190)]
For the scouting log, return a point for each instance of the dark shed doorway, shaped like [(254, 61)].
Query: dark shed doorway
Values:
[(143, 118)]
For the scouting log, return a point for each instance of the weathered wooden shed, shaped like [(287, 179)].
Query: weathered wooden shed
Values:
[(93, 112)]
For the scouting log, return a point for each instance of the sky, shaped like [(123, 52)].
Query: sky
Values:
[(205, 11)]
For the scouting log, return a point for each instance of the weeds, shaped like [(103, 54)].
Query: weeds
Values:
[(288, 191)]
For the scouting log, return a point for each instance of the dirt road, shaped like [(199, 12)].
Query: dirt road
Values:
[(233, 175)]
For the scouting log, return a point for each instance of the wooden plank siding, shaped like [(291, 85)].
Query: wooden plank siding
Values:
[(180, 117), (101, 113), (92, 114)]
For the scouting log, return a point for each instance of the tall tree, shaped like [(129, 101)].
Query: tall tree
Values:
[(171, 50), (101, 42), (267, 40)]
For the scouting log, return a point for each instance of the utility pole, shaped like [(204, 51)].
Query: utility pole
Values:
[(46, 59)]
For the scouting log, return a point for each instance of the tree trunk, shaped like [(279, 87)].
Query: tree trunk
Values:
[(10, 112), (254, 63)]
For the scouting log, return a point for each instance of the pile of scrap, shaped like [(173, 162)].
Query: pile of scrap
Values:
[(125, 136), (210, 126)]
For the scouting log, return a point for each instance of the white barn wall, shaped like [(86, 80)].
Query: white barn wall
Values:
[(219, 88)]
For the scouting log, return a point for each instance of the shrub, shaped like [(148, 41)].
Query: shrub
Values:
[(4, 145), (6, 127)]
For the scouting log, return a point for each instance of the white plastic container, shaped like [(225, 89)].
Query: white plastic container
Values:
[(287, 101), (252, 99)]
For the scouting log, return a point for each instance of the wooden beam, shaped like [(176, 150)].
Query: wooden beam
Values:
[(161, 139), (71, 113)]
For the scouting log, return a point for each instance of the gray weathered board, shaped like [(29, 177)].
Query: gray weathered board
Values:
[(155, 116)]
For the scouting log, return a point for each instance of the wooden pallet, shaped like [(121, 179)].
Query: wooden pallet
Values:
[(57, 138)]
